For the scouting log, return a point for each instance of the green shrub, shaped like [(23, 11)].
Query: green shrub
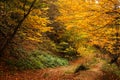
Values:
[(37, 60), (67, 50)]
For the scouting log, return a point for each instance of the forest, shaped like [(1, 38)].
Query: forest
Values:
[(59, 39)]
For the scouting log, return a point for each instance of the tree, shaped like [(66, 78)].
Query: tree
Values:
[(14, 25), (98, 21)]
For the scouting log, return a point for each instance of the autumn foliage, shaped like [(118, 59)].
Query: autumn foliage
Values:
[(68, 28), (92, 23)]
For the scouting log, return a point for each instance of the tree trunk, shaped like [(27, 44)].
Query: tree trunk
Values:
[(6, 43)]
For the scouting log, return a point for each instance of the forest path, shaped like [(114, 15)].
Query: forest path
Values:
[(59, 73)]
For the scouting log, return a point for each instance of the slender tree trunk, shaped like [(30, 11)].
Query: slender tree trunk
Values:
[(7, 41)]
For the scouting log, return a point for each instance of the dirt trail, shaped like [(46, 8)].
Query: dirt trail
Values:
[(59, 73), (95, 73), (97, 67)]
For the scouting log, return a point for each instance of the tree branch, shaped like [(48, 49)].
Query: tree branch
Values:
[(16, 30)]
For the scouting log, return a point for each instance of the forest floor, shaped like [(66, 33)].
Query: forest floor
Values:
[(61, 73)]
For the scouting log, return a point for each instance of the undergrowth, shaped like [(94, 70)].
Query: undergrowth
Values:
[(36, 60), (113, 68)]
